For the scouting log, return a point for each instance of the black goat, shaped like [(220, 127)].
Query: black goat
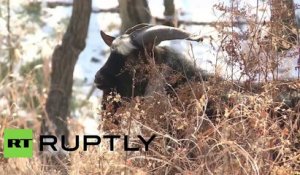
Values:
[(135, 56)]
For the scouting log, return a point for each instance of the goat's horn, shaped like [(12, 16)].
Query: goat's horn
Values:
[(157, 34), (141, 26)]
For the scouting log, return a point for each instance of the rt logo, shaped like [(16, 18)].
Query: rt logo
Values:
[(18, 143)]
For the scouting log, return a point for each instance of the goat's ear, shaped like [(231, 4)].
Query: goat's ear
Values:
[(106, 38)]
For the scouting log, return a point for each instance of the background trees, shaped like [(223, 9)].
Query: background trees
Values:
[(133, 12), (64, 59)]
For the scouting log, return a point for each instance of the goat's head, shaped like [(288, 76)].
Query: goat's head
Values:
[(131, 47)]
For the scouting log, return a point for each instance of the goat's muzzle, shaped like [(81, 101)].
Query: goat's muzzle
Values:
[(103, 82), (99, 83)]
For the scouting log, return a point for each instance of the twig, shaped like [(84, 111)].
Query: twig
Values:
[(213, 24), (10, 56)]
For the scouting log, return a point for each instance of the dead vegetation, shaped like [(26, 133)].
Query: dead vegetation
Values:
[(202, 129), (209, 129)]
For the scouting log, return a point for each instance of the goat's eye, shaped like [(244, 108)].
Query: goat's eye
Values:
[(112, 48)]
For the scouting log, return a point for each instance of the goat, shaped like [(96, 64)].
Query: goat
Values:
[(128, 68)]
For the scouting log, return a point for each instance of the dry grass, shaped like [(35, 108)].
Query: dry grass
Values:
[(202, 129), (209, 129)]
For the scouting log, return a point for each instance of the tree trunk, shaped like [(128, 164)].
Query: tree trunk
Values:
[(283, 24), (170, 13), (63, 62), (133, 12)]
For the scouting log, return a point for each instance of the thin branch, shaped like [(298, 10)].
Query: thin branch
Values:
[(10, 56), (213, 24), (67, 4)]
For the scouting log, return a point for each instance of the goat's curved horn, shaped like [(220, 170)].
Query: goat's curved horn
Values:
[(141, 26), (159, 33)]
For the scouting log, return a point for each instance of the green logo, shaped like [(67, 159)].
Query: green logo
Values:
[(18, 143)]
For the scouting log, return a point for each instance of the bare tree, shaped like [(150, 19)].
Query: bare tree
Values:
[(134, 12), (64, 59), (170, 13)]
